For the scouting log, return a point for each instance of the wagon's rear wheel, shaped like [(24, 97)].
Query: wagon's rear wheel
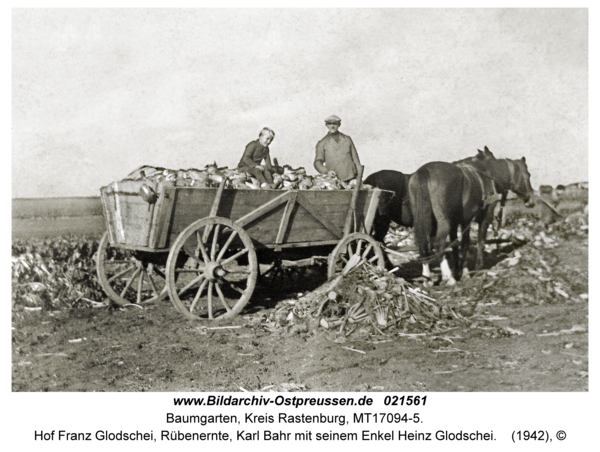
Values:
[(352, 250), (219, 271), (130, 277)]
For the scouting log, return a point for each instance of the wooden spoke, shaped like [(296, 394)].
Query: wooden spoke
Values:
[(198, 295), (210, 287), (201, 247), (222, 297), (226, 246), (213, 250), (235, 256), (348, 250), (151, 281), (367, 250), (207, 231), (358, 247), (190, 284), (129, 281), (123, 272), (372, 259), (140, 283)]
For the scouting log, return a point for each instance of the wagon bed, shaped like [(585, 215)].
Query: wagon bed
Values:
[(273, 218), (183, 241)]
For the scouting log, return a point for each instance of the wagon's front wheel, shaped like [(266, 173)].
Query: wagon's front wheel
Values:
[(129, 276), (219, 269), (353, 250)]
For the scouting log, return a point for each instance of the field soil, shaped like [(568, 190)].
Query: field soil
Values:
[(511, 342)]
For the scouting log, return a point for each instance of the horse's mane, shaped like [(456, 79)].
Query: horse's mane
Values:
[(476, 162)]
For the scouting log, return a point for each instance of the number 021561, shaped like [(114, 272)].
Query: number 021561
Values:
[(405, 400)]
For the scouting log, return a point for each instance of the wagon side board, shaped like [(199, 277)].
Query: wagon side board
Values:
[(132, 222), (272, 218)]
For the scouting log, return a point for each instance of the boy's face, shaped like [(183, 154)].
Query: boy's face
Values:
[(332, 127), (265, 139)]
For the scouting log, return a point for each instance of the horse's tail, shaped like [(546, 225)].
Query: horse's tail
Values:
[(422, 211)]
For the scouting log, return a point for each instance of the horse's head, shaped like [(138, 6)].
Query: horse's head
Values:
[(508, 174), (521, 181)]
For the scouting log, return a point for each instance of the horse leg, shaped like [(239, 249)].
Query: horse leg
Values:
[(427, 275), (423, 216), (484, 224), (426, 271), (447, 276), (445, 228), (464, 245), (456, 264), (381, 226)]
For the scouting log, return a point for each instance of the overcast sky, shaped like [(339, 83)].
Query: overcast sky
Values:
[(98, 93)]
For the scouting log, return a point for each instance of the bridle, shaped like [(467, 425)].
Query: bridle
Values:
[(520, 179)]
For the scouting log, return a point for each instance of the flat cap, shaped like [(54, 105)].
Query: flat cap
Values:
[(332, 118)]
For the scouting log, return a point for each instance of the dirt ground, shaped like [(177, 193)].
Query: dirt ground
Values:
[(154, 348)]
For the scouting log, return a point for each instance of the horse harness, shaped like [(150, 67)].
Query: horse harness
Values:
[(466, 169), (496, 197), (487, 199)]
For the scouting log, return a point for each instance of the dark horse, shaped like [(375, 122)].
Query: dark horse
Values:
[(444, 196), (398, 207)]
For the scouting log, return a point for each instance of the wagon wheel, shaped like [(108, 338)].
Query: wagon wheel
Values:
[(354, 248), (220, 270), (130, 277)]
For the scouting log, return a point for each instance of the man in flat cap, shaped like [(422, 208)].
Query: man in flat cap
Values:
[(336, 153)]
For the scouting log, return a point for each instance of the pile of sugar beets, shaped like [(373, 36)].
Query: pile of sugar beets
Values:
[(284, 178), (364, 301)]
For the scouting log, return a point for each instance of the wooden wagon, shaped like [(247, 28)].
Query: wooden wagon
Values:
[(203, 246)]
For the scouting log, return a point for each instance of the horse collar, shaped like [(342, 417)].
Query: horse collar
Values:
[(511, 170)]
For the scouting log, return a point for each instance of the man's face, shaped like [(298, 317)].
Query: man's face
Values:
[(265, 139), (332, 127)]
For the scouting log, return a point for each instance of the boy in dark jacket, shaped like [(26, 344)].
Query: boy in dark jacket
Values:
[(257, 151)]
